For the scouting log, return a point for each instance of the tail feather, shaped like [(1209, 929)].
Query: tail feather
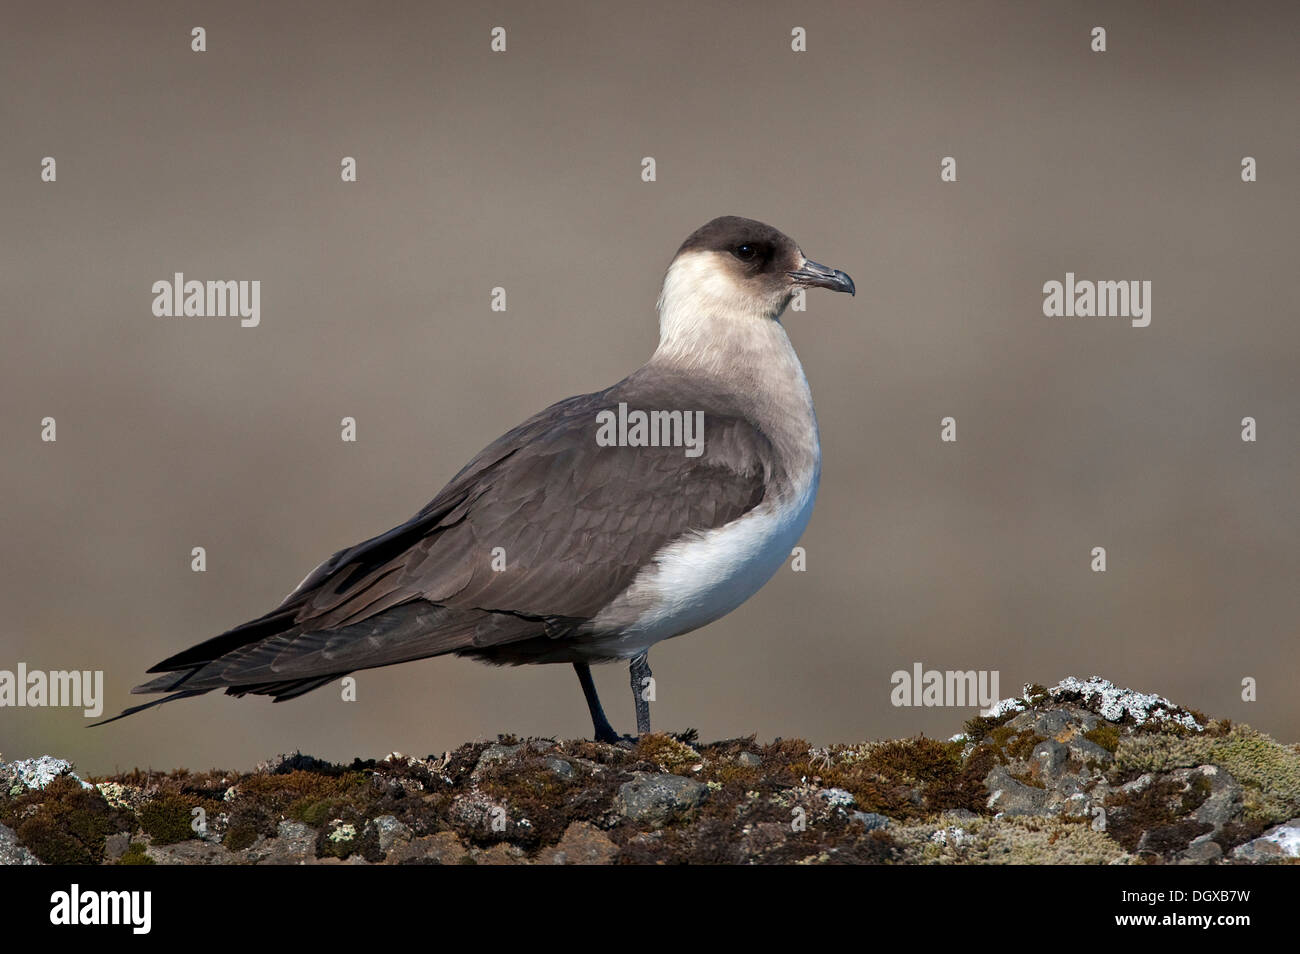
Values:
[(286, 690), (253, 631), (279, 691), (183, 694)]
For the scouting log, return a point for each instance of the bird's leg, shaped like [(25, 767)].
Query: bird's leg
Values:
[(640, 671), (604, 731)]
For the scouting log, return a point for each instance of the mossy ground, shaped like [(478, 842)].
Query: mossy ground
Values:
[(64, 823), (781, 802), (1269, 770)]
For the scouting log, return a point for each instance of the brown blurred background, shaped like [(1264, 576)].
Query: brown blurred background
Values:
[(522, 170)]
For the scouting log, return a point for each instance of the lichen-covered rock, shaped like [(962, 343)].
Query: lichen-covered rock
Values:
[(1280, 843), (1007, 796), (497, 755), (35, 773), (193, 852), (656, 799), (389, 831), (1083, 772), (12, 851), (294, 844), (1270, 770)]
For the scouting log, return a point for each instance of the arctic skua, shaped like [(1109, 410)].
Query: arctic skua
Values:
[(560, 543)]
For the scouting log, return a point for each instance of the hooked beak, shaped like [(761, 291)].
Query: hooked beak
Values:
[(815, 275)]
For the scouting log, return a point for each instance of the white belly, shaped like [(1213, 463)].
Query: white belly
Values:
[(694, 581)]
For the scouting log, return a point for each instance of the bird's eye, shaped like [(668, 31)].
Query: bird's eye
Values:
[(746, 253)]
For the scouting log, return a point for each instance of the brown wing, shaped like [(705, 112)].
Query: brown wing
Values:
[(533, 538)]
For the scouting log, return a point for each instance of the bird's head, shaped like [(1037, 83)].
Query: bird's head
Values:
[(735, 270)]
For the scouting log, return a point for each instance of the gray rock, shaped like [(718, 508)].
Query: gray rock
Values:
[(115, 846), (12, 851), (390, 831), (497, 755), (1224, 804), (192, 852), (1085, 720), (1087, 751), (477, 811), (872, 821), (749, 759), (34, 773), (294, 844), (1277, 844), (1138, 784), (1053, 722), (1022, 721), (1067, 786), (559, 766), (837, 797), (1049, 760), (1202, 850), (658, 798), (1076, 805), (1008, 796)]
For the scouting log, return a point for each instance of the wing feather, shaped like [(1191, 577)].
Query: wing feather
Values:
[(573, 521)]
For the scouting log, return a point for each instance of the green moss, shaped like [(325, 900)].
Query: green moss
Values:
[(293, 790), (1269, 771), (167, 820), (1021, 745), (1000, 736), (978, 728), (1019, 841), (245, 826), (135, 855), (317, 811), (1197, 792), (549, 802), (65, 823), (1036, 694), (1104, 735), (667, 753), (906, 778), (54, 846)]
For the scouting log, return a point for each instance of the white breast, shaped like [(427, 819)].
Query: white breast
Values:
[(701, 579)]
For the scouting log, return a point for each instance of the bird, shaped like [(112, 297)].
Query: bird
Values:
[(554, 545)]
